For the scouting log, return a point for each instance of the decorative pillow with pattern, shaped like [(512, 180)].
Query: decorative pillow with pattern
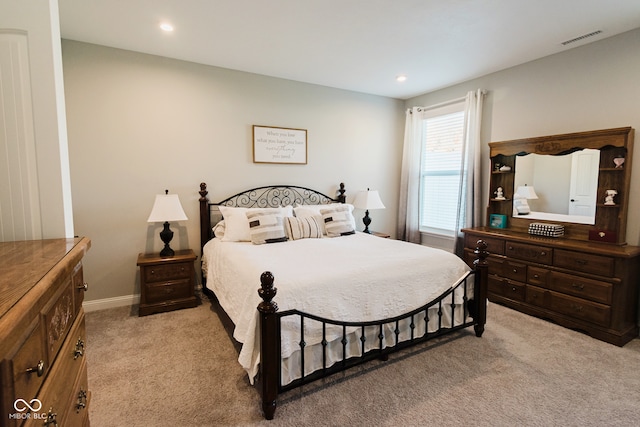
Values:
[(338, 221), (266, 228), (303, 228), (237, 224)]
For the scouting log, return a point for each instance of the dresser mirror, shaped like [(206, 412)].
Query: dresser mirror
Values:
[(601, 163), (565, 185)]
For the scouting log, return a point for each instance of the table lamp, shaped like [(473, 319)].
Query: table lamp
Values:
[(167, 208), (366, 200), (523, 193)]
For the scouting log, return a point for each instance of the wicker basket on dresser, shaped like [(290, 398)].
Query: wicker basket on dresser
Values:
[(42, 333)]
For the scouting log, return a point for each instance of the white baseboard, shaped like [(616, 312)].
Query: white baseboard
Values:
[(102, 304)]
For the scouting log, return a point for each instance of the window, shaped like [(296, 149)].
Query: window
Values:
[(442, 143)]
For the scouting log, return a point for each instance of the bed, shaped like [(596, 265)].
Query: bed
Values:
[(345, 297)]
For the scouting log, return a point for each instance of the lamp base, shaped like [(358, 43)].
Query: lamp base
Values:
[(166, 235), (366, 221)]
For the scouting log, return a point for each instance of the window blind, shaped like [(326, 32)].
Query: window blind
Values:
[(440, 171)]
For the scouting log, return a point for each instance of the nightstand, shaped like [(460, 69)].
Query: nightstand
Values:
[(378, 234), (166, 283)]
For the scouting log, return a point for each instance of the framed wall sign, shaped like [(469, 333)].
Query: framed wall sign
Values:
[(279, 145)]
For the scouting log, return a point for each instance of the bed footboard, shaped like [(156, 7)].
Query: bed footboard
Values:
[(474, 307)]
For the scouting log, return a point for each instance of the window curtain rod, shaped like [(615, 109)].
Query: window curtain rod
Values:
[(451, 101)]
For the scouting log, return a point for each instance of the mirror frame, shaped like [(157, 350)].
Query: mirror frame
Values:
[(610, 221)]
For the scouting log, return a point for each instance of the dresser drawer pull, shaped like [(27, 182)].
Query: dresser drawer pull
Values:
[(536, 276), (514, 289), (83, 287), (79, 351), (515, 270), (578, 286), (543, 253), (82, 400), (581, 261), (576, 307), (51, 419), (38, 369)]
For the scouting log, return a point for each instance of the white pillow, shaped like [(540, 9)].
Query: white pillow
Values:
[(302, 211), (338, 221), (237, 224), (266, 227), (304, 228), (218, 229)]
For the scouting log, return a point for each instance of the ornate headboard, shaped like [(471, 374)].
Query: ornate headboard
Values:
[(271, 196)]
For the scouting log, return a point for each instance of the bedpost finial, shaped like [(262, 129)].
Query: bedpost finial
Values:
[(203, 191), (267, 292), (481, 253)]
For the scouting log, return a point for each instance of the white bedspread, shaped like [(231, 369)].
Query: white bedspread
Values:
[(351, 278)]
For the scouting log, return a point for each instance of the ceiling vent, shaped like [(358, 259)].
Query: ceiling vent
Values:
[(582, 37)]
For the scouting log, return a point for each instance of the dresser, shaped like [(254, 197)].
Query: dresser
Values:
[(42, 333), (587, 286), (167, 283)]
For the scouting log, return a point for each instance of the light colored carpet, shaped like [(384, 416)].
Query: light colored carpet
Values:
[(180, 369)]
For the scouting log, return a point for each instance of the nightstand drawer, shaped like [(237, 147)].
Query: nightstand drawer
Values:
[(167, 291), (159, 273)]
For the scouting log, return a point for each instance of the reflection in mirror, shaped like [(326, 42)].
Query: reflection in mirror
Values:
[(566, 186)]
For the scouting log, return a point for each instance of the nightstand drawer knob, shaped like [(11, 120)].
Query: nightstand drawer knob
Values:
[(83, 287)]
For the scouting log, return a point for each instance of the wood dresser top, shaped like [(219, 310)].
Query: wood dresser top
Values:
[(25, 263)]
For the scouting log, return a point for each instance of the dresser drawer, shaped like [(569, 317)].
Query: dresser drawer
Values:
[(579, 308), (167, 291), (538, 276), (26, 366), (587, 263), (536, 296), (57, 393), (494, 245), (514, 270), (77, 411), (533, 253), (159, 273), (593, 290), (506, 288)]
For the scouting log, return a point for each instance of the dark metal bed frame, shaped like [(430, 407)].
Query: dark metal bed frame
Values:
[(270, 317)]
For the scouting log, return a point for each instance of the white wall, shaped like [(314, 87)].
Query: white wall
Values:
[(139, 124), (586, 88)]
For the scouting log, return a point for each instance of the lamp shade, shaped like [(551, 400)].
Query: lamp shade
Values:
[(369, 199), (167, 207), (526, 192)]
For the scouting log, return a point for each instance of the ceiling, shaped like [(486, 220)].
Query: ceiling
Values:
[(358, 45)]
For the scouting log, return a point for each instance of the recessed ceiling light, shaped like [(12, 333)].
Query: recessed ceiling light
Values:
[(166, 27), (401, 78)]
